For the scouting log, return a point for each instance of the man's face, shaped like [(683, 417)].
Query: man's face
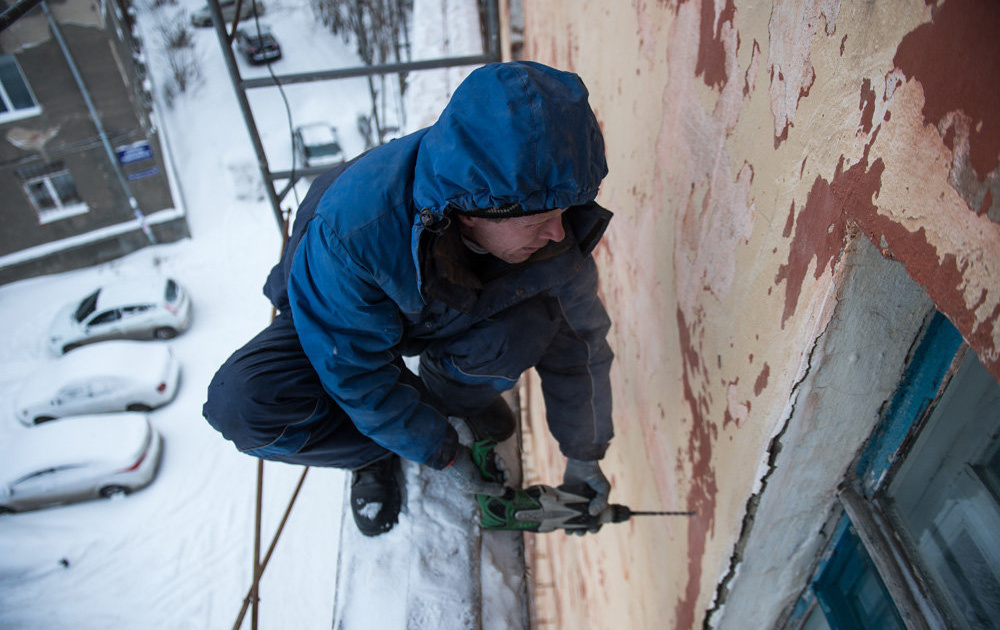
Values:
[(515, 240)]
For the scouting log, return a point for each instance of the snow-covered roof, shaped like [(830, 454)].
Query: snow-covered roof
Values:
[(132, 359), (318, 133), (132, 291), (111, 437)]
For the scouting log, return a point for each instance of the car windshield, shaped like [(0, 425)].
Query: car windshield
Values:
[(324, 150), (320, 140), (87, 306), (264, 39)]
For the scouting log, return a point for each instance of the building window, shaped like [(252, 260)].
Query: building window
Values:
[(51, 190), (16, 100), (920, 536)]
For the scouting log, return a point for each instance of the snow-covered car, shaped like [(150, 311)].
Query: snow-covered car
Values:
[(138, 308), (258, 46), (100, 378), (87, 458), (203, 16), (317, 144)]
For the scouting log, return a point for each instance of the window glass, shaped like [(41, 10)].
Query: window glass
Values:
[(51, 190), (943, 498), (106, 317), (40, 195), (850, 591), (14, 92), (65, 188), (87, 306)]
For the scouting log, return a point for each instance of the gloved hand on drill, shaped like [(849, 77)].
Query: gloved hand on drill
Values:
[(467, 476), (588, 474)]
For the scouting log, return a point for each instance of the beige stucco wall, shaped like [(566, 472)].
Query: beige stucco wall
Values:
[(748, 143)]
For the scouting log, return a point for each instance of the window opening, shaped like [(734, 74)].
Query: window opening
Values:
[(926, 496), (16, 99), (52, 192)]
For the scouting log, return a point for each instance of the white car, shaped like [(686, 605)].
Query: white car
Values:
[(86, 458), (139, 308), (104, 377), (317, 144)]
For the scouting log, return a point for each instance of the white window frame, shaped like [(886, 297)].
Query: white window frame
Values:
[(62, 209), (13, 113)]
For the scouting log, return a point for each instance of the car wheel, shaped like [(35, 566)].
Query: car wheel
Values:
[(165, 333), (43, 419), (109, 492), (6, 510), (138, 407)]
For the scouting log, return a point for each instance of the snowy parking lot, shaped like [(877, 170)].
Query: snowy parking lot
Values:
[(178, 554)]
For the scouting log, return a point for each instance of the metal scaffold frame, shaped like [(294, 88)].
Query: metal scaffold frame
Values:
[(241, 87)]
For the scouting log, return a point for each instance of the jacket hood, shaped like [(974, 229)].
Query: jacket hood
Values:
[(513, 133)]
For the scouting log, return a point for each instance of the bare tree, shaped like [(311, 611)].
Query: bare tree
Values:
[(379, 29)]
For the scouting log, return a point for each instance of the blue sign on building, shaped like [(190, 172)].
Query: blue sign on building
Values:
[(149, 172), (135, 152)]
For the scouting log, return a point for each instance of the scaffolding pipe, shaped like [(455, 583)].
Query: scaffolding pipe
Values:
[(15, 11), (234, 75), (112, 158)]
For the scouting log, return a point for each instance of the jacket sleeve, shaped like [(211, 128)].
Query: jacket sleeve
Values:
[(350, 330), (575, 370)]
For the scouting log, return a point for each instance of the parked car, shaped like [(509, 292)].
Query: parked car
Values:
[(100, 378), (203, 16), (141, 308), (88, 458), (317, 144), (257, 46)]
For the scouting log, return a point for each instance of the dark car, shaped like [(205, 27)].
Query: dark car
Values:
[(203, 16), (257, 46)]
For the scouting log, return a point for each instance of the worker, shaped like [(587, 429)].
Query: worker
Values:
[(466, 244)]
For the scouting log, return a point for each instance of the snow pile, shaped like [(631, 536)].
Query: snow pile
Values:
[(178, 554)]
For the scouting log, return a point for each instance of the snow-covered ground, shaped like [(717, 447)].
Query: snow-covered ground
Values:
[(178, 554)]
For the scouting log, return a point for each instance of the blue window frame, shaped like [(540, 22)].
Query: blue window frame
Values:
[(927, 486)]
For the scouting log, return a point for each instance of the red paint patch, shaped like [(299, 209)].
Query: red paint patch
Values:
[(703, 490), (790, 221), (956, 59), (821, 227), (761, 382), (867, 106), (711, 62), (987, 203)]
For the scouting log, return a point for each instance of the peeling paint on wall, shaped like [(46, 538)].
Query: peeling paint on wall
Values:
[(791, 29), (956, 60), (735, 203)]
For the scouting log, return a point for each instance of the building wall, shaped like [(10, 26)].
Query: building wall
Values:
[(754, 149), (64, 131)]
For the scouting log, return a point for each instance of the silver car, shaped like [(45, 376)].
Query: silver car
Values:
[(86, 458), (139, 308), (100, 378), (317, 144)]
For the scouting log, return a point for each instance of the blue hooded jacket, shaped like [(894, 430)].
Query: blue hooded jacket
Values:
[(372, 277)]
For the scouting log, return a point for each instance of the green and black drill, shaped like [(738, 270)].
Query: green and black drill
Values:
[(542, 508)]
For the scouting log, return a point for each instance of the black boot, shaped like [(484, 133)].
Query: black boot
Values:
[(496, 421), (375, 496)]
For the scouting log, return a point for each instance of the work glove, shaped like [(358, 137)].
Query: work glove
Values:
[(580, 473), (466, 475)]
